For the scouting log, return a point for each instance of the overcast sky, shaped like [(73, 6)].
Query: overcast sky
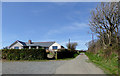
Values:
[(47, 21)]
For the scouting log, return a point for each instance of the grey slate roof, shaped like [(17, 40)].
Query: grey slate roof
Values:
[(23, 43), (43, 44)]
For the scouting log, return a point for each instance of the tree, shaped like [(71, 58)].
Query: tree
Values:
[(104, 22), (71, 46)]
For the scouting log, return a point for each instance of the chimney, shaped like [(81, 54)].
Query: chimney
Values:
[(29, 41)]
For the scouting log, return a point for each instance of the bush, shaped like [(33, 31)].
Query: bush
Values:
[(24, 54), (76, 54), (65, 53)]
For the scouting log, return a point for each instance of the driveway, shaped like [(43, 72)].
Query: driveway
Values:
[(79, 65)]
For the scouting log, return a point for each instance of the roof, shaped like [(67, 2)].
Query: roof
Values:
[(23, 43), (16, 42), (43, 44)]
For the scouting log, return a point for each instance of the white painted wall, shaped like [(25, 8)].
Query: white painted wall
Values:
[(55, 44), (17, 44)]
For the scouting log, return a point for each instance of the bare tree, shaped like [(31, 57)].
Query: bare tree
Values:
[(71, 46), (104, 21)]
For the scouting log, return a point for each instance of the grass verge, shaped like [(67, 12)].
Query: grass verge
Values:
[(110, 66), (3, 60)]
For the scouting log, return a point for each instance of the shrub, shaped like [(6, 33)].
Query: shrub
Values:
[(76, 54), (24, 54), (65, 53)]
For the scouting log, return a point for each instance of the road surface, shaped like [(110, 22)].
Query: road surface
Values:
[(79, 65)]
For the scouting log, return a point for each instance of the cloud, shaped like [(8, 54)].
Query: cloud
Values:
[(68, 28), (76, 26)]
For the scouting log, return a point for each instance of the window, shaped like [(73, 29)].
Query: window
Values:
[(54, 47), (16, 47)]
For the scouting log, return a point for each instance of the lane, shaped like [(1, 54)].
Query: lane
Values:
[(30, 67), (79, 65)]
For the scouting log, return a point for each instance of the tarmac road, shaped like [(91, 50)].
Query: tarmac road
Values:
[(79, 65)]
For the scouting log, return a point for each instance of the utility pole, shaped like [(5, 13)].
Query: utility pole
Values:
[(69, 43), (92, 37)]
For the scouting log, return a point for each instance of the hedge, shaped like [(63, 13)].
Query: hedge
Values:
[(65, 53), (24, 54)]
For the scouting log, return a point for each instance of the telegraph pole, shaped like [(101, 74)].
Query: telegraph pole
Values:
[(69, 43), (92, 37)]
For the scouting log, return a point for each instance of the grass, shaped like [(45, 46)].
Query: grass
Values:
[(24, 60), (110, 66), (66, 59), (3, 60)]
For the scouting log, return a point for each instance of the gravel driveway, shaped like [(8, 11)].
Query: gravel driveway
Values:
[(79, 65)]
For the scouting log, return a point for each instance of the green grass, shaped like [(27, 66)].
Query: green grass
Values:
[(66, 59), (36, 60), (24, 60), (110, 66)]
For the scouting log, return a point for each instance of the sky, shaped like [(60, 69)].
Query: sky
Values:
[(47, 21)]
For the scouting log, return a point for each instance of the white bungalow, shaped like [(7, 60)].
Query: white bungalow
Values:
[(51, 46)]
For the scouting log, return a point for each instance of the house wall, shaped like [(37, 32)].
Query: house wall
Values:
[(55, 44), (17, 45)]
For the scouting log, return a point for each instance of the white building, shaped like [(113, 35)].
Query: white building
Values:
[(51, 46)]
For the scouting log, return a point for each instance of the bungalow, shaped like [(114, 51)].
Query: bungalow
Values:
[(51, 46)]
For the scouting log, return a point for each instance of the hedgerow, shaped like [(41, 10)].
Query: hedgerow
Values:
[(24, 54), (65, 53)]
